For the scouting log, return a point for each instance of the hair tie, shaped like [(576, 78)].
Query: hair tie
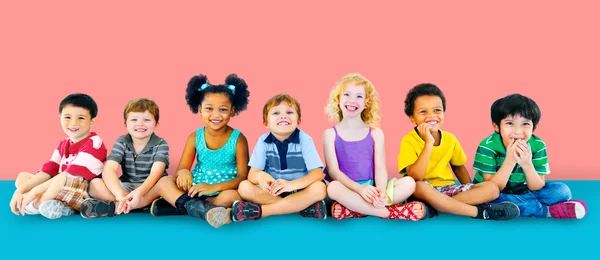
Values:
[(204, 86), (232, 88)]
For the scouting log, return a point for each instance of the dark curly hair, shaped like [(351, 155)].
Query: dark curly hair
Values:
[(515, 104), (424, 89), (194, 94)]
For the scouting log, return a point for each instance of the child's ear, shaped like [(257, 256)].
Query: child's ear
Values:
[(266, 124), (93, 121), (496, 128), (412, 120), (299, 121)]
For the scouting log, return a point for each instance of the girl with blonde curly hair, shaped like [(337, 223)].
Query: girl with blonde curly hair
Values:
[(355, 157)]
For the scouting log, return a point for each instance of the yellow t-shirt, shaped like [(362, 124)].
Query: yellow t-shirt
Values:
[(438, 172)]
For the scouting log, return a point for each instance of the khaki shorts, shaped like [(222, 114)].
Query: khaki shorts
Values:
[(74, 192)]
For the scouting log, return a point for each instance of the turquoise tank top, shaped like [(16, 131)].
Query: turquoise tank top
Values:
[(215, 166)]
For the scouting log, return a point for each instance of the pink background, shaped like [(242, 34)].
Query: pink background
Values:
[(122, 50)]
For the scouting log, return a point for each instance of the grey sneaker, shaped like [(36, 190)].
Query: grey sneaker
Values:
[(54, 209), (94, 208), (499, 211)]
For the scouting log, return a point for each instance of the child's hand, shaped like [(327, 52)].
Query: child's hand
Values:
[(184, 180), (132, 200), (369, 193), (202, 189), (522, 152), (27, 198), (281, 186), (511, 151), (265, 181), (381, 200), (425, 132), (16, 202)]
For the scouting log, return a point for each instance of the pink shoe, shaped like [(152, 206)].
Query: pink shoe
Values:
[(568, 209)]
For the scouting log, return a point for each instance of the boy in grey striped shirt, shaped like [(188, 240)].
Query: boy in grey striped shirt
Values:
[(143, 157)]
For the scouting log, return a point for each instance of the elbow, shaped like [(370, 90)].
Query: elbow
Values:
[(536, 187)]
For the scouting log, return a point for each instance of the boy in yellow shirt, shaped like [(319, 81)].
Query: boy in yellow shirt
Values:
[(433, 157)]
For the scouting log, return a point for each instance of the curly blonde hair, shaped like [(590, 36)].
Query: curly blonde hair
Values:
[(370, 115)]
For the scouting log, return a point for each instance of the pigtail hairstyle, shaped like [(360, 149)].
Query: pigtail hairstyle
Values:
[(234, 88), (193, 94), (239, 97)]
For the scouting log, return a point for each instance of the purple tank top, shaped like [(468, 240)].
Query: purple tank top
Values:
[(356, 159)]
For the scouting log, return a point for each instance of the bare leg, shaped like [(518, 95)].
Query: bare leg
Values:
[(441, 202), (22, 178), (297, 201), (479, 193), (168, 190), (98, 190), (353, 201), (225, 198)]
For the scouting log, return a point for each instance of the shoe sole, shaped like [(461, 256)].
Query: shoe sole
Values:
[(217, 217), (88, 206), (54, 209), (152, 207)]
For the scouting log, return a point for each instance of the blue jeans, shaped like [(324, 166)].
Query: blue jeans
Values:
[(535, 203)]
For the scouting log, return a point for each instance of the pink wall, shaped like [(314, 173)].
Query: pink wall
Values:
[(120, 51)]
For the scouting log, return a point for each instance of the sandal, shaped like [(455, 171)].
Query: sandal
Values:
[(404, 211), (346, 213)]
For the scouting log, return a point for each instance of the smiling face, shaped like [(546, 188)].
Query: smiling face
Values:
[(76, 122), (514, 127), (352, 100), (140, 125), (282, 120), (216, 110), (428, 109)]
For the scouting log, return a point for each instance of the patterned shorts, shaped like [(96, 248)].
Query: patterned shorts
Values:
[(74, 192), (452, 189)]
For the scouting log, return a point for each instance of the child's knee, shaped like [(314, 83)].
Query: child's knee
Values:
[(421, 187), (334, 190), (406, 184), (164, 181), (317, 190), (228, 197), (245, 189), (491, 188), (561, 191)]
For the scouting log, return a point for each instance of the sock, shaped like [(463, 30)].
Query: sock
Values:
[(180, 203), (481, 214)]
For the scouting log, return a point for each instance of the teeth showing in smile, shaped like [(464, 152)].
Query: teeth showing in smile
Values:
[(351, 108), (283, 123), (432, 122)]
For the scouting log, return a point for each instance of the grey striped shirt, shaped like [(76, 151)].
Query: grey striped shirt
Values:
[(136, 168)]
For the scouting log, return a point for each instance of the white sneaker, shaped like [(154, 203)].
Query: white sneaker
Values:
[(54, 209), (30, 209)]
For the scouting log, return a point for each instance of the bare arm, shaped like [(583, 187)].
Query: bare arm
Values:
[(188, 156), (381, 174), (109, 176), (156, 172), (332, 162), (37, 179), (418, 169), (313, 176), (462, 174)]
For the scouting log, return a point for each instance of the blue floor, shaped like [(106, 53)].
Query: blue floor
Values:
[(293, 237)]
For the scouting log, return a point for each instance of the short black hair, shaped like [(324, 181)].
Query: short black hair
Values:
[(423, 89), (80, 100), (195, 92), (515, 104)]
